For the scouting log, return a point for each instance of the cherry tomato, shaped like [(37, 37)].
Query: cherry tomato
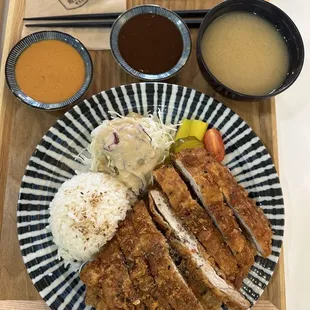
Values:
[(213, 143)]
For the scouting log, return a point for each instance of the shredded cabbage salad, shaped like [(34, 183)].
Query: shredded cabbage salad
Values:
[(161, 137)]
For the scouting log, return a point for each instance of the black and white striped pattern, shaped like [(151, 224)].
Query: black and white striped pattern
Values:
[(53, 162)]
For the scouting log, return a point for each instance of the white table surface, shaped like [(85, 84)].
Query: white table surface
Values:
[(293, 119)]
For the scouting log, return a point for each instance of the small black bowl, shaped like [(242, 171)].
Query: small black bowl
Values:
[(27, 41), (275, 16), (155, 10)]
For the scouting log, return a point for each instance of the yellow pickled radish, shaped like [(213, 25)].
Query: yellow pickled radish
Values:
[(198, 129), (183, 130), (186, 143)]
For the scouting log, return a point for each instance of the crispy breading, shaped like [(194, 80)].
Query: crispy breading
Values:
[(212, 199), (138, 269), (251, 217), (196, 220), (208, 300), (107, 275), (194, 254), (93, 297), (167, 277)]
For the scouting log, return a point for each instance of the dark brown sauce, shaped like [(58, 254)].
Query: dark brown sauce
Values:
[(150, 43)]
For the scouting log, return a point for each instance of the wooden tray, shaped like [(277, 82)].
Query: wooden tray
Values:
[(22, 128)]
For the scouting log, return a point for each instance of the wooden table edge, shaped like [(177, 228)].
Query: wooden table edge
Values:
[(5, 121), (275, 152)]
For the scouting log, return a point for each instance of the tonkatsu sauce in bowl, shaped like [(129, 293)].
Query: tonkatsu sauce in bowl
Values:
[(150, 42)]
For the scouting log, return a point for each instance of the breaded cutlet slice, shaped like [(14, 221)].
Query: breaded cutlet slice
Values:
[(212, 199), (208, 300), (138, 268), (194, 254), (170, 282), (251, 217), (196, 220), (107, 275)]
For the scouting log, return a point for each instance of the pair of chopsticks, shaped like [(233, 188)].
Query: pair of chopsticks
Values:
[(192, 18)]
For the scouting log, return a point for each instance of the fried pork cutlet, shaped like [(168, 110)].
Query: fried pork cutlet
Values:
[(196, 220), (137, 265), (190, 249), (93, 298), (107, 278), (250, 216), (208, 300), (167, 277), (212, 199)]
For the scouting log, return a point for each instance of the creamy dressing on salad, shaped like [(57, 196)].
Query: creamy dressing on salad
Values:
[(123, 148)]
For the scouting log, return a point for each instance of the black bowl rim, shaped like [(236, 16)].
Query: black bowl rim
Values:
[(151, 77), (58, 105), (238, 94)]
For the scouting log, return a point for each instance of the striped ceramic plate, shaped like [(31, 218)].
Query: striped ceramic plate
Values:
[(53, 162)]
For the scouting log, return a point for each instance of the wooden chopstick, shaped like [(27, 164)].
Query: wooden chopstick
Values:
[(101, 24), (76, 17), (191, 23), (181, 13)]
